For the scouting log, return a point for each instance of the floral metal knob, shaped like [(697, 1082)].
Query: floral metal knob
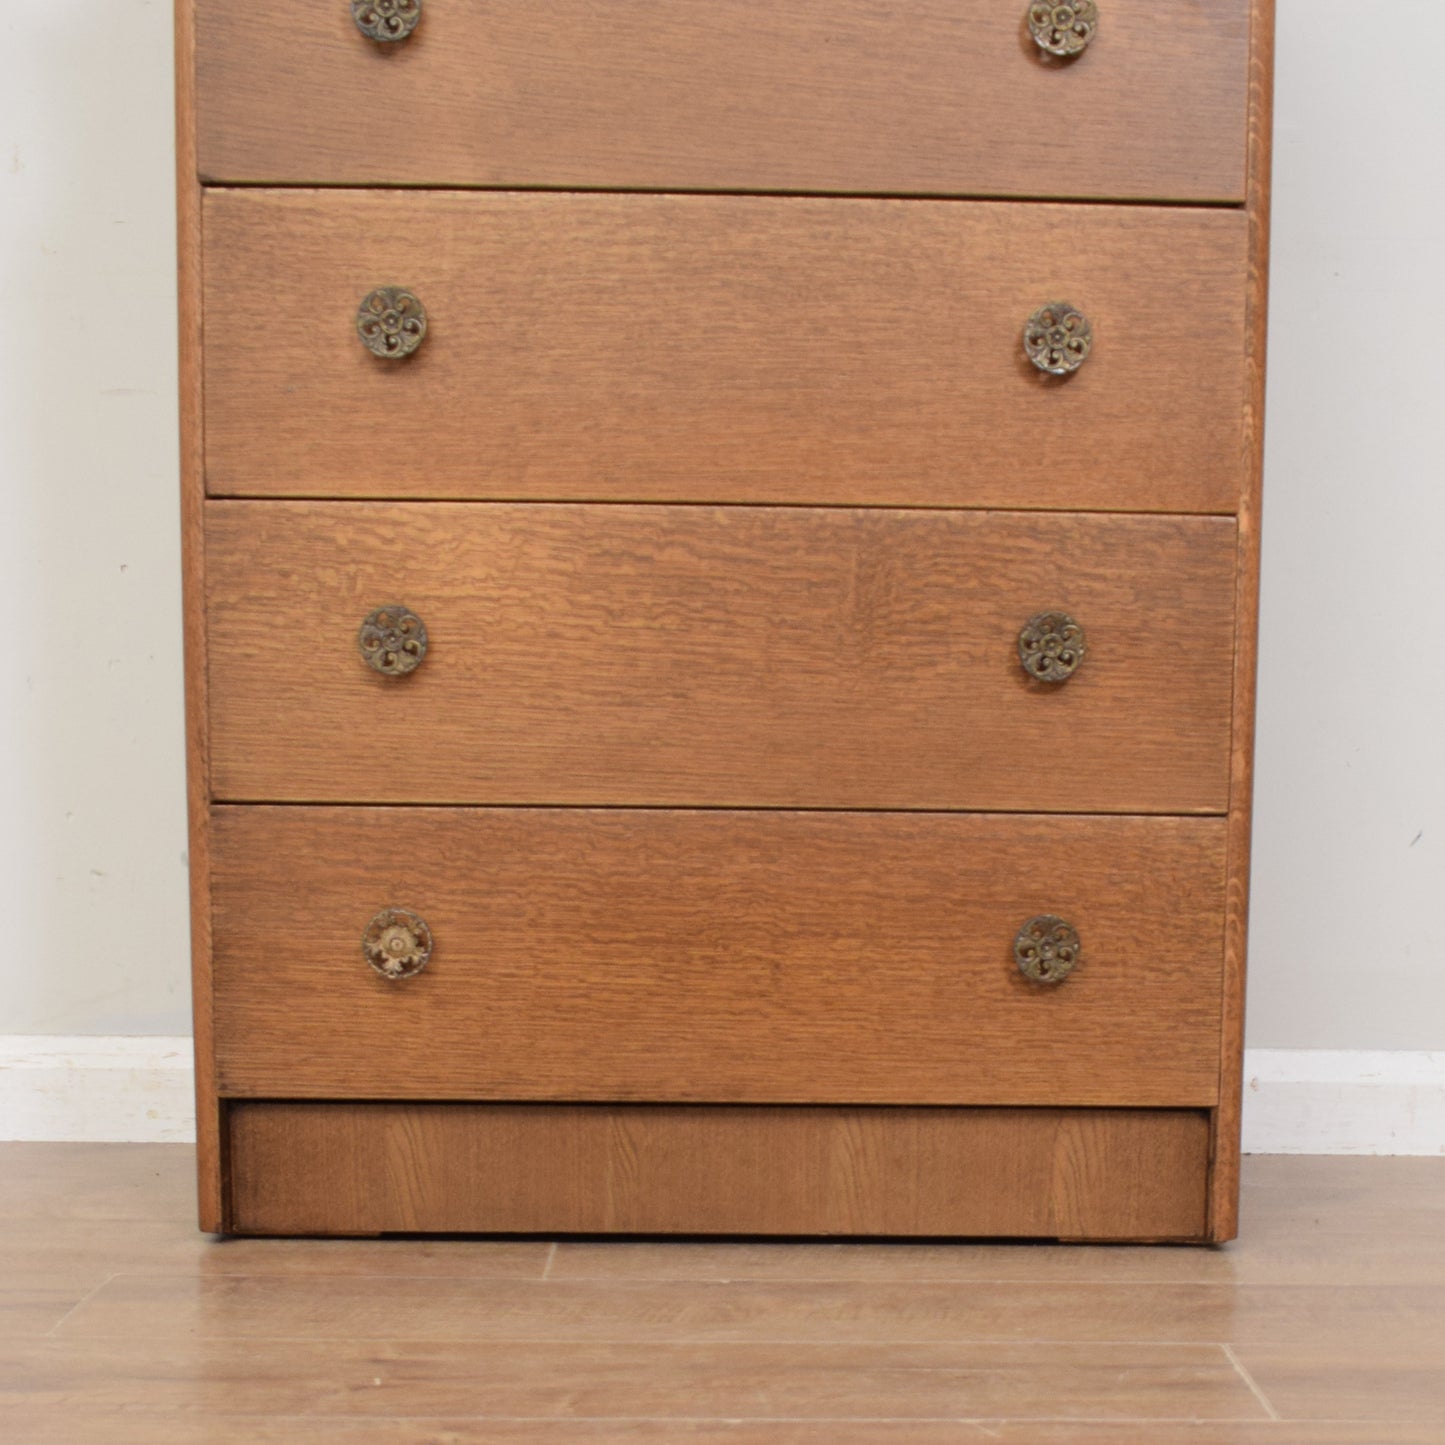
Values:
[(386, 19), (397, 943), (1057, 338), (391, 322), (1047, 949), (1063, 29), (1051, 646), (392, 641)]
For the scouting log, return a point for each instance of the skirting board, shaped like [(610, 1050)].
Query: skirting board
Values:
[(98, 1089), (1296, 1101), (1344, 1101)]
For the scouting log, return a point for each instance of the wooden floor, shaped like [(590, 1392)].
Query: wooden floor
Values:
[(119, 1323)]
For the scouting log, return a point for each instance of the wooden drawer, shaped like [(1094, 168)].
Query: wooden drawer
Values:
[(717, 957), (705, 348), (927, 97), (299, 1168), (719, 656)]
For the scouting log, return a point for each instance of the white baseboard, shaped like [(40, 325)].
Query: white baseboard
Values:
[(1296, 1101), (84, 1087), (1344, 1101)]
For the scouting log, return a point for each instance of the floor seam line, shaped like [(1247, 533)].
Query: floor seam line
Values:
[(976, 1420), (576, 1341), (83, 1300), (1250, 1381)]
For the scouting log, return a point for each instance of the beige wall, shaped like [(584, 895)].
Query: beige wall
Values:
[(1350, 848), (1349, 869), (92, 822)]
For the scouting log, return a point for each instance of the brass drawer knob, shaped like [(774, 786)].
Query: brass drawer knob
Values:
[(1057, 338), (1063, 29), (397, 943), (1047, 949), (1051, 646), (386, 20), (392, 641), (391, 322)]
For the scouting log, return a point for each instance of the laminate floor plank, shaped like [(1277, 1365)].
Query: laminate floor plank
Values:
[(1335, 1176), (33, 1303), (1170, 1432), (1398, 1382), (30, 1426), (97, 1181), (74, 1214), (380, 1378), (76, 1251), (792, 1312), (120, 1324), (1406, 1249)]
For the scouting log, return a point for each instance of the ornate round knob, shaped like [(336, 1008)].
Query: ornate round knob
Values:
[(1051, 646), (391, 322), (1047, 949), (1063, 29), (386, 19), (1057, 338), (392, 641), (397, 944)]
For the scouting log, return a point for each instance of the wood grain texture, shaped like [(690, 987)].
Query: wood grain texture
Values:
[(1311, 1221), (930, 97), (374, 1168), (731, 957), (703, 348), (1182, 1380), (1333, 1324), (78, 1213), (739, 349), (260, 1341), (731, 656), (193, 584), (1224, 1177), (544, 1393)]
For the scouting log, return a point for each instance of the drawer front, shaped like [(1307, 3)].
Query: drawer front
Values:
[(716, 956), (719, 656), (642, 1169), (705, 348), (928, 97)]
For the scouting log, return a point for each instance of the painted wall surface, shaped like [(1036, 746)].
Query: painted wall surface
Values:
[(92, 815), (1349, 854), (1350, 841)]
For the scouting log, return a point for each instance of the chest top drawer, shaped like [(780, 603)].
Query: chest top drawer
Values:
[(930, 97)]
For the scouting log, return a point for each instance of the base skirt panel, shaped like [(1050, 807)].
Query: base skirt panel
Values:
[(308, 1168)]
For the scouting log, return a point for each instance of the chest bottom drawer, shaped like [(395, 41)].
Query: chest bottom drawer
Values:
[(716, 956)]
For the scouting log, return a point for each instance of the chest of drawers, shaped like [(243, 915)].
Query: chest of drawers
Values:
[(721, 550)]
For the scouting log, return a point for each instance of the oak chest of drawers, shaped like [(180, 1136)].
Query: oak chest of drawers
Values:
[(721, 550)]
